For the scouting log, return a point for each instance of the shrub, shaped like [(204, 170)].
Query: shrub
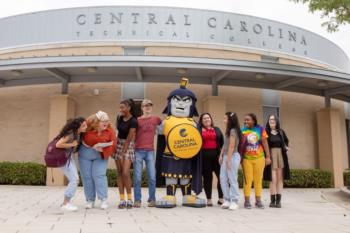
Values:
[(312, 178), (347, 178), (300, 178), (22, 173)]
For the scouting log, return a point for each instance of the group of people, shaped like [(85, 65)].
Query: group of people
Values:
[(261, 152)]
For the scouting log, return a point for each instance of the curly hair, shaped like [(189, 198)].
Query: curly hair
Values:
[(71, 127)]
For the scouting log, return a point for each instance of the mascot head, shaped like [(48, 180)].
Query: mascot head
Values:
[(181, 102)]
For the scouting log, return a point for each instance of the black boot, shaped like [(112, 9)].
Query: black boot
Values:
[(278, 201), (273, 201)]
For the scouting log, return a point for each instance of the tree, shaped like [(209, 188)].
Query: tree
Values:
[(337, 11)]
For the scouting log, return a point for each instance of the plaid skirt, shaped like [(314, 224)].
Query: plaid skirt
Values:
[(130, 153)]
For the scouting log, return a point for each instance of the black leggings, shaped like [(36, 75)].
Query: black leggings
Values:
[(210, 165)]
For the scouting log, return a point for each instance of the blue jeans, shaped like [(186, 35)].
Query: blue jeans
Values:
[(148, 157), (229, 178), (93, 171), (71, 172)]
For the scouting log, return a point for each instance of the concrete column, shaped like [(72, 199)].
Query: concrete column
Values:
[(216, 106), (331, 144), (62, 108)]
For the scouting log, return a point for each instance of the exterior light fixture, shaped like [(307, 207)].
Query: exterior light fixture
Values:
[(181, 71), (16, 72), (96, 92), (259, 76), (322, 83), (92, 69)]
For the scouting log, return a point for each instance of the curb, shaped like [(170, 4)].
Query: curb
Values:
[(345, 190)]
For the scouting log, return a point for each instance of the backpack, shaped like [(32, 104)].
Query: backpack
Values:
[(55, 157)]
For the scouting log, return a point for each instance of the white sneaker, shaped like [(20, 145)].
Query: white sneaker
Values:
[(89, 205), (233, 206), (104, 205), (69, 207), (226, 204)]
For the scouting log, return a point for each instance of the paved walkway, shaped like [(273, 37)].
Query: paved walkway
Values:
[(35, 209)]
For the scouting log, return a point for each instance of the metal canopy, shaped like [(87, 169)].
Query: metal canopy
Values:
[(78, 69)]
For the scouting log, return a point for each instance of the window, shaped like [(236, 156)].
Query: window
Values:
[(134, 51), (267, 111), (271, 104), (136, 92)]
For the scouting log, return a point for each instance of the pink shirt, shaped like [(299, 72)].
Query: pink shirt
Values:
[(146, 130)]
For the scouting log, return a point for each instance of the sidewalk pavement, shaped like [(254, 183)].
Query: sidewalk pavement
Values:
[(29, 209)]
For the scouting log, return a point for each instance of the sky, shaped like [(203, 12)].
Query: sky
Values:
[(280, 10)]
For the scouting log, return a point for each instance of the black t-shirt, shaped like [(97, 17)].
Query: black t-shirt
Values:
[(275, 141), (125, 126)]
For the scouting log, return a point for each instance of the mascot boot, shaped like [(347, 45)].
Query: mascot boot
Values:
[(169, 201), (190, 200)]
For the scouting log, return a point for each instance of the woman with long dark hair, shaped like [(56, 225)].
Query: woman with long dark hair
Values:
[(212, 143), (278, 171), (230, 160), (69, 139), (255, 152), (126, 125)]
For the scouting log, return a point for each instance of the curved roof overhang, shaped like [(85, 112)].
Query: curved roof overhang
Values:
[(77, 69)]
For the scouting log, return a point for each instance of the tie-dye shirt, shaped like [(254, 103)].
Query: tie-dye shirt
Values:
[(253, 142)]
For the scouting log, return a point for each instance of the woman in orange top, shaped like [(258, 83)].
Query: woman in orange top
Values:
[(98, 145)]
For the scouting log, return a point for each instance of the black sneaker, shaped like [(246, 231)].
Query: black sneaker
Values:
[(247, 205), (122, 205), (259, 205), (129, 204)]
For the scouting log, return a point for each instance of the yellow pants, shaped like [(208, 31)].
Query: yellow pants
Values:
[(253, 171)]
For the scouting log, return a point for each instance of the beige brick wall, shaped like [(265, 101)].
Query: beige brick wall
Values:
[(200, 52), (298, 117), (56, 52), (25, 114), (24, 120), (155, 49)]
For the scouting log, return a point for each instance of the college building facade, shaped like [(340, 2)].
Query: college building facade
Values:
[(55, 65)]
